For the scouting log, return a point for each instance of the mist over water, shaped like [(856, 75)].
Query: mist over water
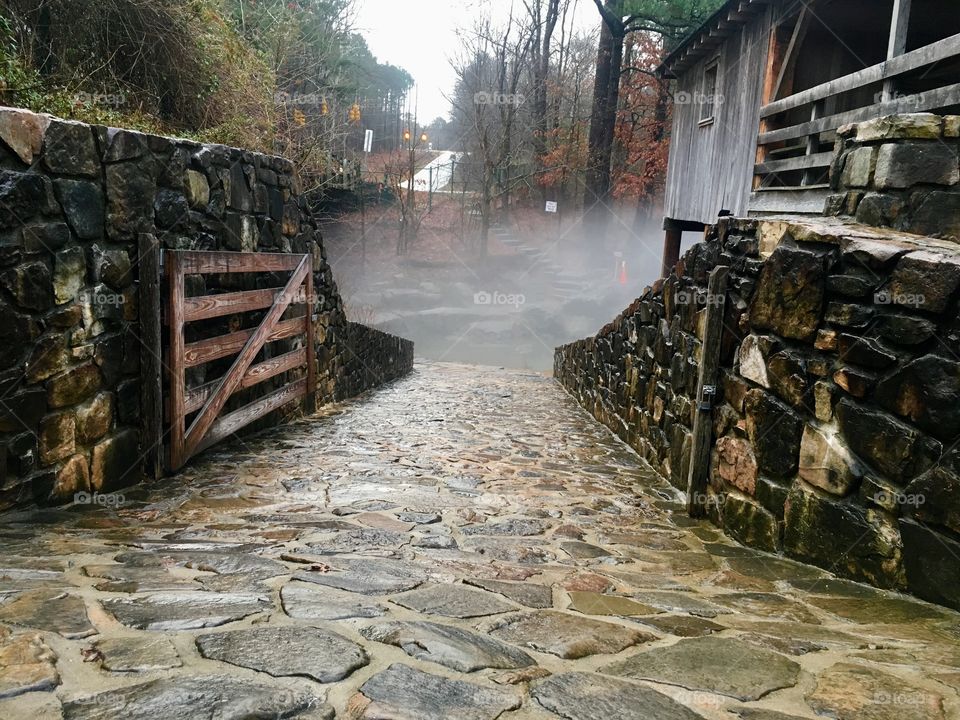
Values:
[(541, 286)]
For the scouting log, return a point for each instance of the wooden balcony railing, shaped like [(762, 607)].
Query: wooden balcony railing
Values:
[(804, 150)]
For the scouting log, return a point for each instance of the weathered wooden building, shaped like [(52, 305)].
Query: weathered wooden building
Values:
[(761, 88)]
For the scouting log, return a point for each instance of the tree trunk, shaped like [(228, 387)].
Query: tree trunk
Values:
[(541, 74), (485, 209), (603, 121)]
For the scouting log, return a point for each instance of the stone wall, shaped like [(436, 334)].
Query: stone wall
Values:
[(837, 420), (900, 172), (370, 358), (78, 206)]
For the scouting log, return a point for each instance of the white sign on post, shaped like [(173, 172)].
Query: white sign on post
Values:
[(368, 141), (551, 206)]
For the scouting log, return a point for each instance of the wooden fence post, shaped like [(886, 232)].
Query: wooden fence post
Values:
[(706, 392), (151, 356), (310, 402), (176, 371)]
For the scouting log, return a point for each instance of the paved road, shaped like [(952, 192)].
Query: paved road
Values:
[(464, 544), (439, 171)]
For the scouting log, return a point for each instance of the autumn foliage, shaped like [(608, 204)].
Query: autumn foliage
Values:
[(643, 118)]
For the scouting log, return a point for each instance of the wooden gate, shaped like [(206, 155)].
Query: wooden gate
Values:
[(208, 400)]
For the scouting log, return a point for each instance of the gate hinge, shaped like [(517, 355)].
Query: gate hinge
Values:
[(707, 396)]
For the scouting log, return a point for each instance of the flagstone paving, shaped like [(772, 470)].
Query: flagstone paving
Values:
[(464, 544)]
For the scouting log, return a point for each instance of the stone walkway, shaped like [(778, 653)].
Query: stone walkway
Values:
[(465, 544)]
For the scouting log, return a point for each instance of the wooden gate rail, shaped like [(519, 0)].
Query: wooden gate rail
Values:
[(804, 136), (208, 400)]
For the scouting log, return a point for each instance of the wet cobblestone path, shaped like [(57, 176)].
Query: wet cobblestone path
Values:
[(464, 544)]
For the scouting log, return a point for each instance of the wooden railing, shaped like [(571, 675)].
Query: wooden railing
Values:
[(810, 137)]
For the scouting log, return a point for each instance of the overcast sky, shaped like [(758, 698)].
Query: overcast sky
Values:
[(419, 36)]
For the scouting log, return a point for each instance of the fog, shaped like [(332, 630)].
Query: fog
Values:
[(543, 284)]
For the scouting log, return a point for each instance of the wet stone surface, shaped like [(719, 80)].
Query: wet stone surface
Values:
[(414, 555), (197, 696), (51, 610), (184, 611), (137, 654), (587, 696), (458, 601), (568, 636), (712, 664), (454, 647), (402, 691), (370, 577), (26, 664), (525, 593), (309, 602), (318, 654)]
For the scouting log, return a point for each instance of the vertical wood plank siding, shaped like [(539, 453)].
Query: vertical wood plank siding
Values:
[(711, 168)]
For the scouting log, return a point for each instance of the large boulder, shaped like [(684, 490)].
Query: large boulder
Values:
[(30, 284), (750, 523), (736, 464), (858, 167), (116, 462), (826, 463), (843, 538), (934, 497), (926, 392), (73, 386), (903, 165), (22, 195), (23, 132), (69, 149), (932, 563), (69, 274), (131, 188), (938, 214), (894, 448), (790, 294), (919, 126), (82, 203), (924, 280), (789, 379), (774, 431)]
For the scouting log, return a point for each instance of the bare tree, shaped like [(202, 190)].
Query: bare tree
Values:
[(400, 172), (486, 105), (543, 15)]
